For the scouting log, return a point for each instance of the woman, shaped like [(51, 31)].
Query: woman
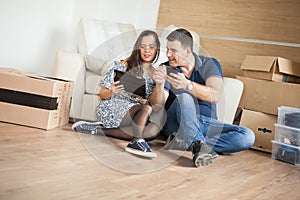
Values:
[(121, 114)]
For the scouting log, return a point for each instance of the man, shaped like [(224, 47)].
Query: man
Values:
[(191, 118)]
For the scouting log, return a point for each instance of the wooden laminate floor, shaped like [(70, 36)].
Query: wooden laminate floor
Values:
[(62, 164)]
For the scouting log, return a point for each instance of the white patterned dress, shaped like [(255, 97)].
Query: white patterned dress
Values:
[(111, 111)]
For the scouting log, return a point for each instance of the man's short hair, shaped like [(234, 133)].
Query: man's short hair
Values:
[(183, 36)]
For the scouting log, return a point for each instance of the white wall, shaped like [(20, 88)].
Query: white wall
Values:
[(141, 13), (31, 31)]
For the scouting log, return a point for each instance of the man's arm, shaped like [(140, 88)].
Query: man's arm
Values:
[(211, 92)]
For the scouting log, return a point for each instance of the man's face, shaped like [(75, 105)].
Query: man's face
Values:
[(176, 53)]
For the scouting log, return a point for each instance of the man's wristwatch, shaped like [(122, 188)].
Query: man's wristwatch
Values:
[(190, 86)]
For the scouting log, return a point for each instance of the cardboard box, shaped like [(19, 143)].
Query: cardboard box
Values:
[(271, 68), (267, 96), (262, 125), (34, 101)]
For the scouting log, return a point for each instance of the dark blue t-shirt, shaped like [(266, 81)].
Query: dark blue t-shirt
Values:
[(205, 67)]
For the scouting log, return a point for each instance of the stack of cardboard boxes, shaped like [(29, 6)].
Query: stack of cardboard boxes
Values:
[(269, 82), (30, 100)]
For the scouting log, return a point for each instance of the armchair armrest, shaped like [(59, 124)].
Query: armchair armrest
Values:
[(68, 65), (71, 66), (228, 104)]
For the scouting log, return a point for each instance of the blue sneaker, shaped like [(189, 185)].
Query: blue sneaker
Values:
[(140, 147), (87, 127)]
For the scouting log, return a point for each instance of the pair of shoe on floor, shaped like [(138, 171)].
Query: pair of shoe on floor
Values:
[(202, 154), (137, 146)]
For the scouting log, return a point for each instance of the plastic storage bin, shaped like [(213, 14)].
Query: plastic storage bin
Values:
[(286, 153), (287, 135), (289, 116)]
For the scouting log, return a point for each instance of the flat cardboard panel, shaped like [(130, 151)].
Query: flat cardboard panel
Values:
[(29, 116), (261, 75), (12, 79), (264, 20), (262, 125), (267, 96), (61, 90), (65, 105), (258, 63), (289, 67)]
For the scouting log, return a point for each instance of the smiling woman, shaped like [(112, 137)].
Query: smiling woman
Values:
[(122, 114)]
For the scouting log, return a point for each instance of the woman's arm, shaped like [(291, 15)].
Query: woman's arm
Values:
[(158, 97), (108, 93)]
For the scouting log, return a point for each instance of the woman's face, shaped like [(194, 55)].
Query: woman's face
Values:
[(148, 48)]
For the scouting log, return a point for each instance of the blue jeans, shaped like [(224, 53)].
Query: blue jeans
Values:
[(185, 122)]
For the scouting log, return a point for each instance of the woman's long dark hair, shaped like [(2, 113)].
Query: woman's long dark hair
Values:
[(134, 61)]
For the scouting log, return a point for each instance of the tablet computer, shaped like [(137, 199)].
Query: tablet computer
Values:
[(132, 84), (118, 74)]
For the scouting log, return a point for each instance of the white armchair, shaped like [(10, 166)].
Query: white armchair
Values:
[(99, 44)]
